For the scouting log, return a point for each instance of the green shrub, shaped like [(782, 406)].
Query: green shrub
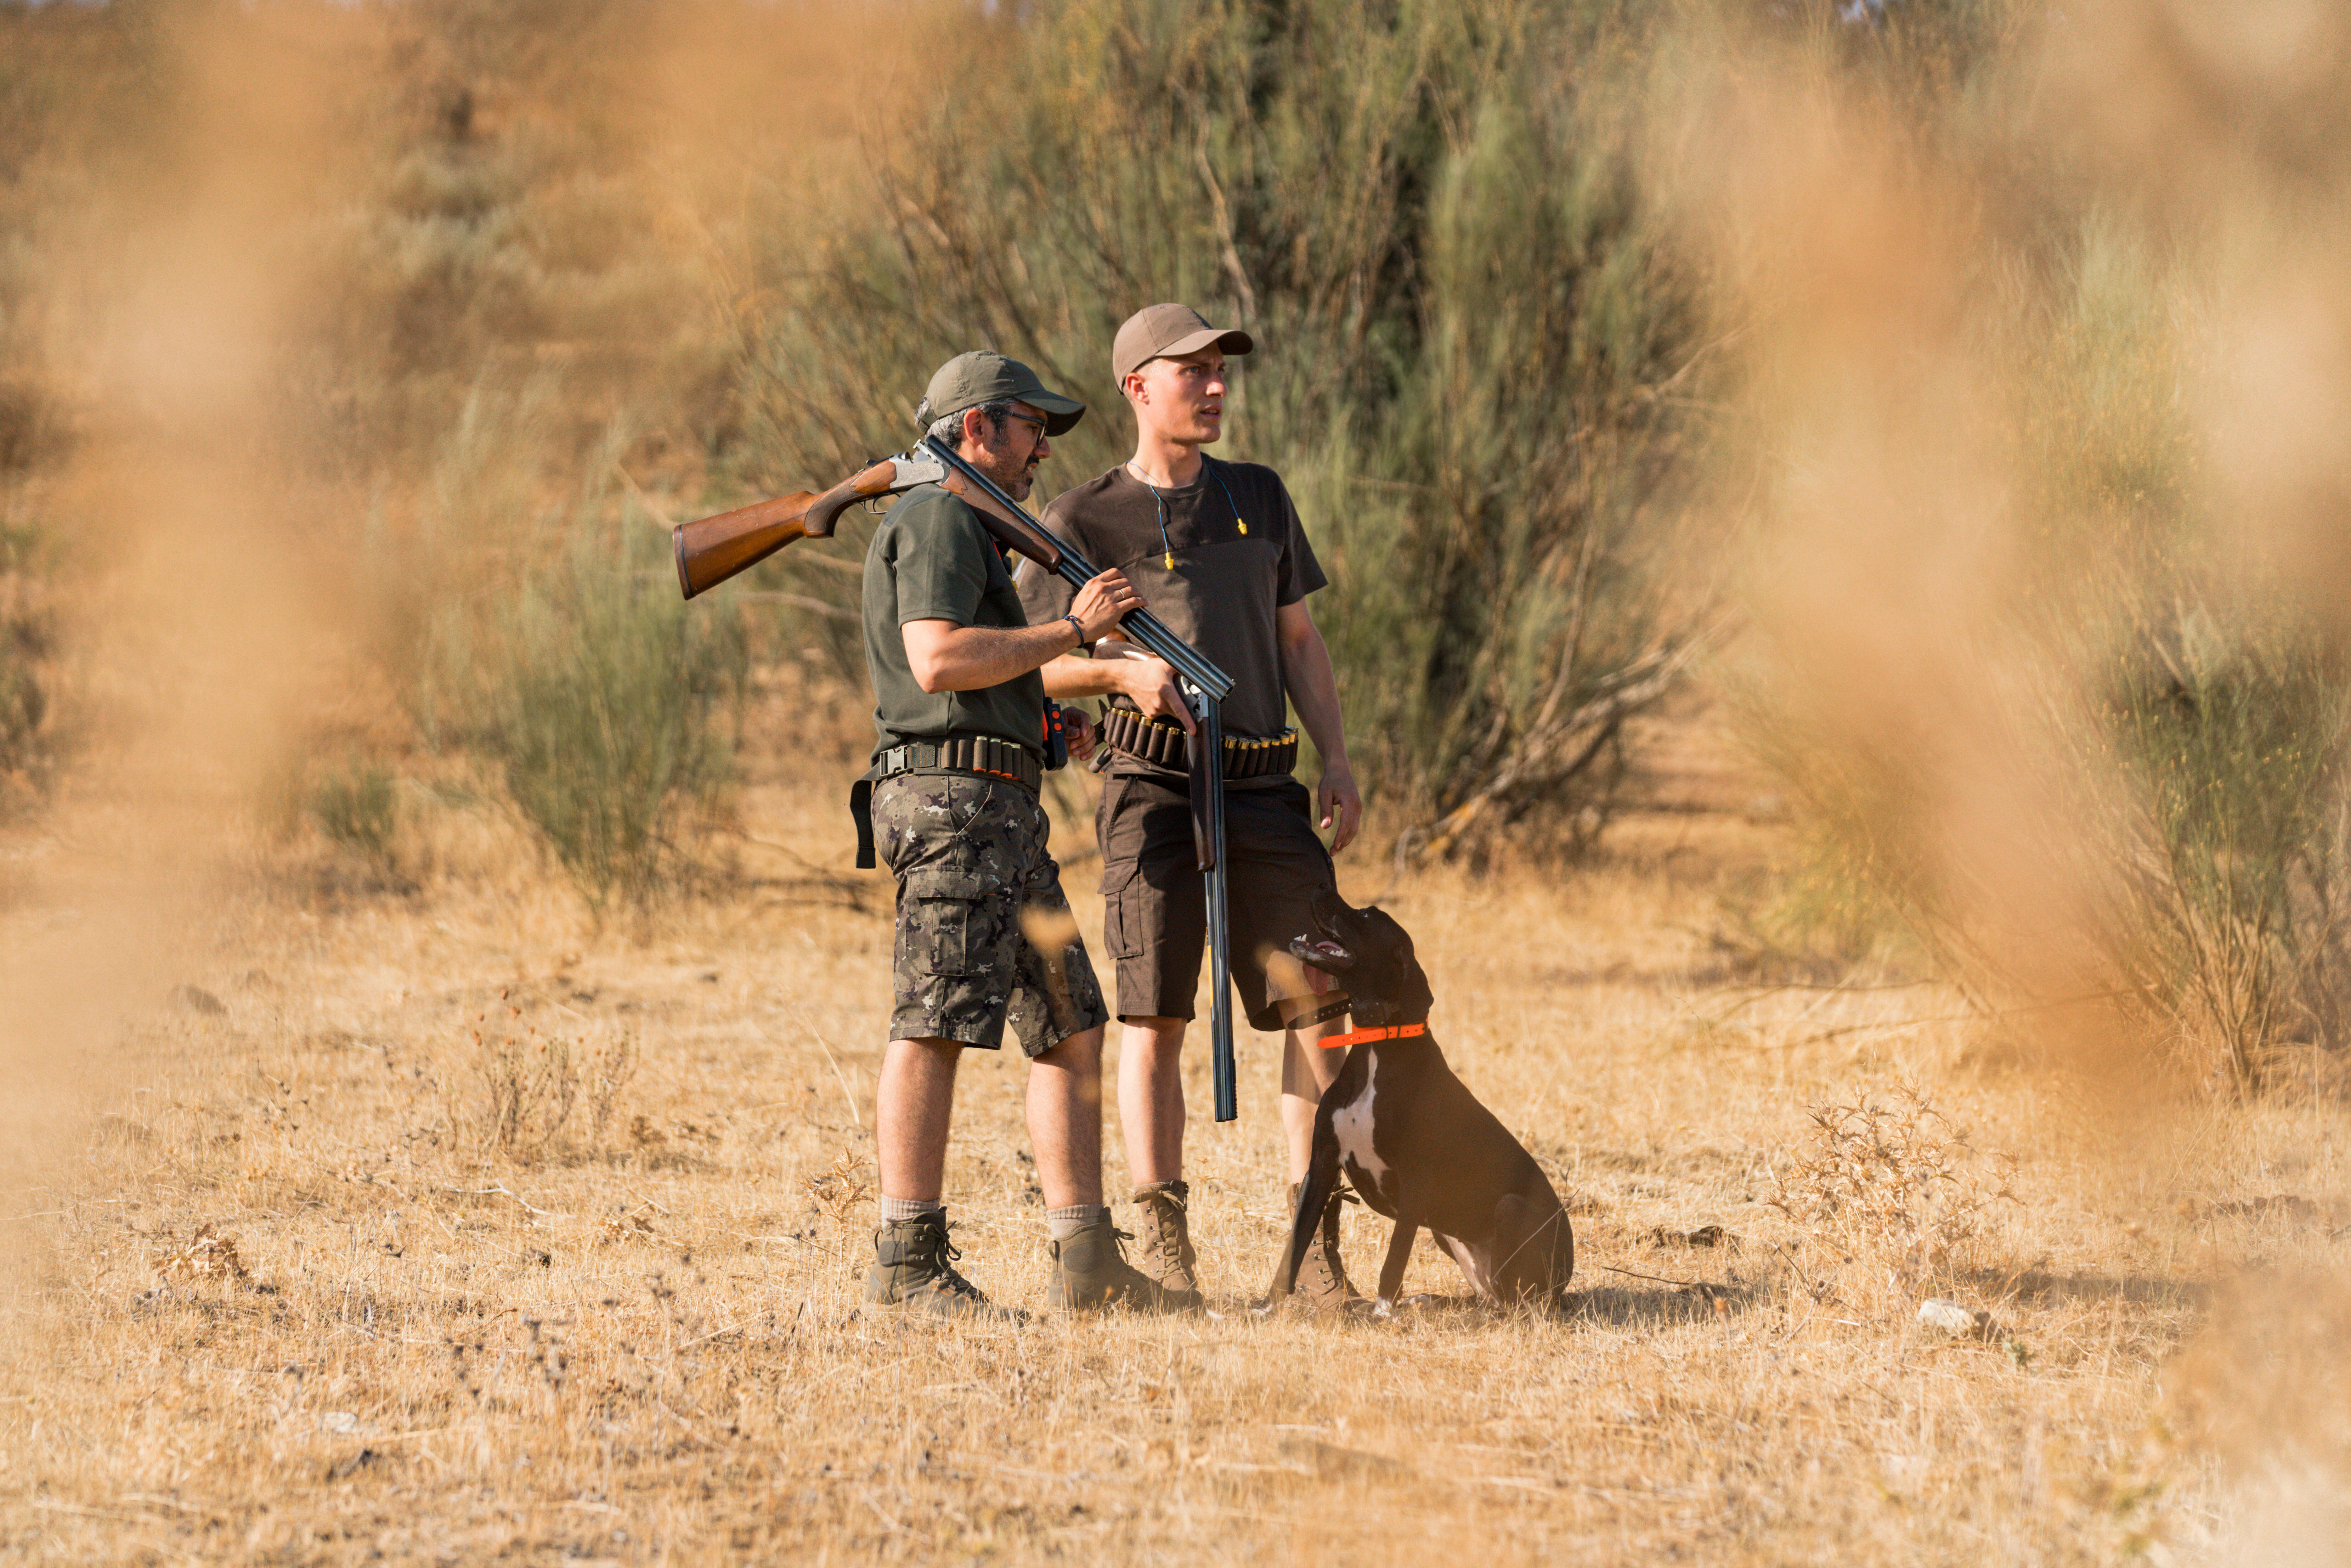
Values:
[(607, 707), (2232, 923), (358, 808), (23, 705), (26, 740)]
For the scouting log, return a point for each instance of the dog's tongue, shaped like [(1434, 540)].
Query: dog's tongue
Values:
[(1322, 984)]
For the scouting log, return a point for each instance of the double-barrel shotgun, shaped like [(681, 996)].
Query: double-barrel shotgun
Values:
[(714, 549)]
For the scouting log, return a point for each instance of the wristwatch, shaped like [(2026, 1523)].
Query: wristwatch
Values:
[(1079, 628)]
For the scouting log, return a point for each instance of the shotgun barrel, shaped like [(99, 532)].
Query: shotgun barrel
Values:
[(1023, 535)]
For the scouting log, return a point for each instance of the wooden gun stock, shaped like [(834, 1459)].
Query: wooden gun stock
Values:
[(712, 549), (1015, 528)]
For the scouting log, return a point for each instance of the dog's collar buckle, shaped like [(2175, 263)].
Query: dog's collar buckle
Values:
[(1362, 1036)]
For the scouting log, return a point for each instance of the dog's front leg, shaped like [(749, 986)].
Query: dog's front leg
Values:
[(1407, 1227), (1412, 1204)]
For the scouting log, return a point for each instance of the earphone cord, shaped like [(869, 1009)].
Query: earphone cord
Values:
[(1167, 559)]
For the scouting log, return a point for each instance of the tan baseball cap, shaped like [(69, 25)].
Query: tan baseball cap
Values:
[(985, 376), (1163, 331)]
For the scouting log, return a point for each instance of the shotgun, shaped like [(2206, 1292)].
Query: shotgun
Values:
[(714, 549)]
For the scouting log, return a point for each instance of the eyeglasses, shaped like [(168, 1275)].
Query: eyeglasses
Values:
[(1035, 423)]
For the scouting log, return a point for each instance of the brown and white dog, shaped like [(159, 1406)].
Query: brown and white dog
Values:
[(1411, 1138)]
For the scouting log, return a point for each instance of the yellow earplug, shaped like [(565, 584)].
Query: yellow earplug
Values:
[(1169, 560)]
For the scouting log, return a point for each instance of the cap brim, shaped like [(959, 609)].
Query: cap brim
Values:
[(1231, 339), (1061, 413)]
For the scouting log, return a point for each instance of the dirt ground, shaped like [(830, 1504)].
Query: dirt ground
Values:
[(280, 1294)]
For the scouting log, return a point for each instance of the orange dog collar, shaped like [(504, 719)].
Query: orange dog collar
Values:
[(1358, 1036)]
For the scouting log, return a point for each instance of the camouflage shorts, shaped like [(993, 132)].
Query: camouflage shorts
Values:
[(984, 932)]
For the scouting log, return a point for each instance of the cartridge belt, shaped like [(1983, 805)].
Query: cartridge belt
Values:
[(984, 754), (1164, 744)]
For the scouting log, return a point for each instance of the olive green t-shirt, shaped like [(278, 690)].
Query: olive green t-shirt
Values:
[(1232, 552), (931, 559)]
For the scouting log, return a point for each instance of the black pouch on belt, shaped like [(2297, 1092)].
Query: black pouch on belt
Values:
[(861, 812), (1057, 737)]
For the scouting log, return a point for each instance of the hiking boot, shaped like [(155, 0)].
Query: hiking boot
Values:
[(914, 1267), (1089, 1270), (1166, 1253), (1321, 1278)]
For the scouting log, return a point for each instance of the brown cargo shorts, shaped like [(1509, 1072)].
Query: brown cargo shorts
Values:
[(985, 936), (1154, 910)]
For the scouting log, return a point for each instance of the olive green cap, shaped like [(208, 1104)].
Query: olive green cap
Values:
[(984, 376)]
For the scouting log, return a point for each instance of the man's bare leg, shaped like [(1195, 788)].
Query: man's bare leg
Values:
[(1065, 1120), (1151, 1098), (1151, 1090), (1307, 1070), (911, 1104), (913, 1262)]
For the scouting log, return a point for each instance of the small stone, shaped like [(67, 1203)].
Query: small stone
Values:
[(342, 1423), (1948, 1317)]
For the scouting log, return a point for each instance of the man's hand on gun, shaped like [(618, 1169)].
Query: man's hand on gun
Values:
[(1148, 682), (1106, 597), (1078, 730)]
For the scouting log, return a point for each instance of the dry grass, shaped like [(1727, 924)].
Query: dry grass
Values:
[(285, 1300)]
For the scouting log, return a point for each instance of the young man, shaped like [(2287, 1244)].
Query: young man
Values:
[(1218, 550), (984, 932)]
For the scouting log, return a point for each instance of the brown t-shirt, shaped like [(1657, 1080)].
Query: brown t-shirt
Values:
[(1239, 553)]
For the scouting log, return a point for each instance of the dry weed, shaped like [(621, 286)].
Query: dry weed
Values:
[(206, 1255), (610, 1068), (626, 1226), (533, 1082), (840, 1192), (1892, 1189)]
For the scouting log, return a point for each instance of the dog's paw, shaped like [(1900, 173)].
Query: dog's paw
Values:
[(1383, 1309)]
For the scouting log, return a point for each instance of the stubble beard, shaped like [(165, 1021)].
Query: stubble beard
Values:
[(1014, 481)]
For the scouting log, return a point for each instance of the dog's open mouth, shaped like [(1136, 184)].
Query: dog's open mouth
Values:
[(1323, 959)]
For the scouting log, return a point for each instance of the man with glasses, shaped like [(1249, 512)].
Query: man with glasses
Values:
[(983, 933), (1218, 550)]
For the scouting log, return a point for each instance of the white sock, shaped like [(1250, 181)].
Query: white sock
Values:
[(910, 1208), (1068, 1222)]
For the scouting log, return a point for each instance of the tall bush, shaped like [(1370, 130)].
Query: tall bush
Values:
[(611, 715), (1474, 354), (2233, 926), (608, 711), (2076, 721)]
